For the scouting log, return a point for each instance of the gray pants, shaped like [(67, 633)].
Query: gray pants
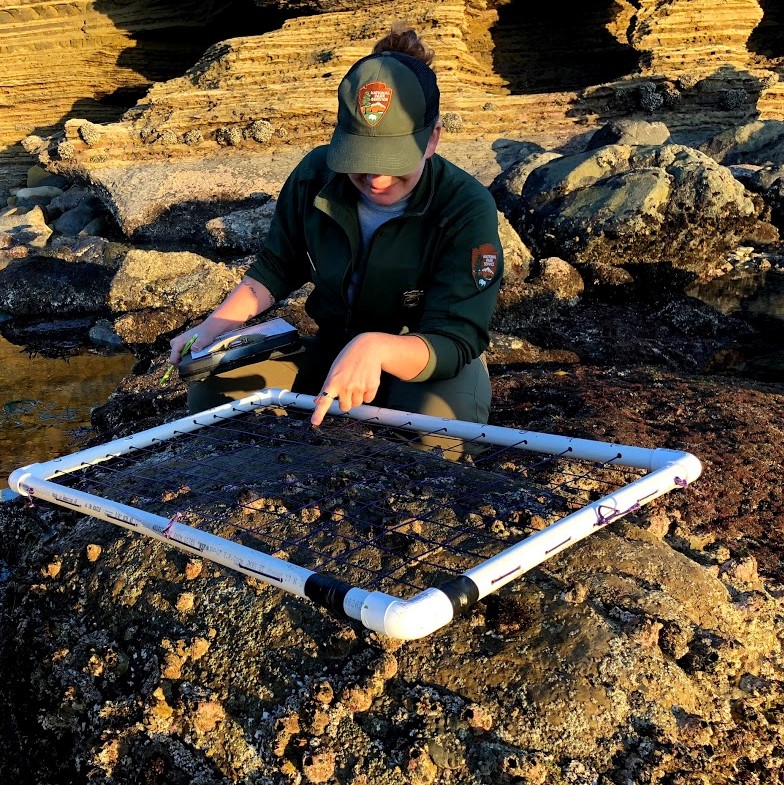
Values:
[(464, 397)]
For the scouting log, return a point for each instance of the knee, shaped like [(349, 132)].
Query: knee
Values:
[(202, 396)]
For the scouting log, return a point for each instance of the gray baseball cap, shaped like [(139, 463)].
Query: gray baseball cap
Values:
[(388, 104)]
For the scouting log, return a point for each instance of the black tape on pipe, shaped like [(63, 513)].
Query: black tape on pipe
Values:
[(462, 593), (327, 592)]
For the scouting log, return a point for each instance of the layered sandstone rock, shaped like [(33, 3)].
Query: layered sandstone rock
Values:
[(506, 73), (693, 36), (249, 99), (87, 59), (260, 90)]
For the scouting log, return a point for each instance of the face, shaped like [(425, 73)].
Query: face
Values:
[(386, 189)]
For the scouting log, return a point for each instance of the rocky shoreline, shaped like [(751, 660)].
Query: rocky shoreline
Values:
[(651, 653)]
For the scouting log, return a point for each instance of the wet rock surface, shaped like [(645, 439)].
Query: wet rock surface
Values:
[(650, 653), (647, 653)]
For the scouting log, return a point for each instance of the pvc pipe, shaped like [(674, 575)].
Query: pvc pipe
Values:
[(430, 609), (278, 572), (499, 570), (147, 438), (550, 444), (257, 564)]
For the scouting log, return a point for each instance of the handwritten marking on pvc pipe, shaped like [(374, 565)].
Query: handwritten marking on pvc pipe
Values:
[(556, 547), (167, 532), (506, 574), (259, 572)]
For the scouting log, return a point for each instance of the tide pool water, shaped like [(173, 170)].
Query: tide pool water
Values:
[(745, 292), (45, 403)]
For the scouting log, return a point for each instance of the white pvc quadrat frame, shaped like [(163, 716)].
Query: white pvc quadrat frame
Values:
[(404, 619)]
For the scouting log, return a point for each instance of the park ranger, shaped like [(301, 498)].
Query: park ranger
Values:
[(401, 247)]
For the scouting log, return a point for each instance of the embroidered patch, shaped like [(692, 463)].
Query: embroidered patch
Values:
[(374, 100), (484, 264)]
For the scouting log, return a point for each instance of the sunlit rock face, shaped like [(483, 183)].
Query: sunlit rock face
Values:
[(261, 76), (95, 58)]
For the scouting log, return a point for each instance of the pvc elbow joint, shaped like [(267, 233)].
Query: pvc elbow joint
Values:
[(407, 619), (688, 465)]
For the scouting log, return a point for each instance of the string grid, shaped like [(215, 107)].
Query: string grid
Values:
[(355, 500)]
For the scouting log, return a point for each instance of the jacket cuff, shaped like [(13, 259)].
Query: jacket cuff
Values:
[(442, 361)]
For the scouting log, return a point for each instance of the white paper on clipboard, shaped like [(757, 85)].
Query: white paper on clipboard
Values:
[(245, 335)]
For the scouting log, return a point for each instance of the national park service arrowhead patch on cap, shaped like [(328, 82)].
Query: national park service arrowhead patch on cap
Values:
[(484, 265), (374, 100)]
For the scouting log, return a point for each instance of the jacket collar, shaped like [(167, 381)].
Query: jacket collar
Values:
[(338, 196)]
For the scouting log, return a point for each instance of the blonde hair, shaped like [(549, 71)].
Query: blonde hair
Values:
[(404, 39)]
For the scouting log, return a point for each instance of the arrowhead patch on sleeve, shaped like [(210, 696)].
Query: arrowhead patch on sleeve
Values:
[(484, 265)]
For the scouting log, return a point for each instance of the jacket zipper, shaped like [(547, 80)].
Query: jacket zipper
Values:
[(362, 266)]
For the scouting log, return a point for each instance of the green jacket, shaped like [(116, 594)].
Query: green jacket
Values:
[(434, 271)]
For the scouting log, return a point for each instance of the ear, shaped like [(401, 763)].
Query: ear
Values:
[(433, 141)]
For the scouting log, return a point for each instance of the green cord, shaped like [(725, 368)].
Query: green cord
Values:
[(185, 349)]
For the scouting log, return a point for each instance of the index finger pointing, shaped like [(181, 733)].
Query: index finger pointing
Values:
[(323, 402)]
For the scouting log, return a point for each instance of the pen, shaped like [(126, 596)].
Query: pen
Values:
[(185, 349)]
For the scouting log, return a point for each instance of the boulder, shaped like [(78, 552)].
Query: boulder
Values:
[(629, 132), (72, 198), (96, 227), (242, 230), (760, 178), (768, 182), (25, 227), (40, 195), (37, 176), (184, 282), (40, 286), (50, 336), (760, 142), (507, 187), (560, 278), (73, 222), (141, 329), (607, 281), (86, 249), (564, 174), (169, 203), (636, 205), (506, 348), (517, 257), (103, 334)]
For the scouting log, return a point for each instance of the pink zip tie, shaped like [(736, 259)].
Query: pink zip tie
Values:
[(603, 520), (167, 532)]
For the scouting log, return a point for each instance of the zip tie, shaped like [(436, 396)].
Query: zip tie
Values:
[(603, 520), (167, 532)]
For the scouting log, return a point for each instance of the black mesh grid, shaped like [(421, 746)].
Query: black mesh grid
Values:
[(354, 500)]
